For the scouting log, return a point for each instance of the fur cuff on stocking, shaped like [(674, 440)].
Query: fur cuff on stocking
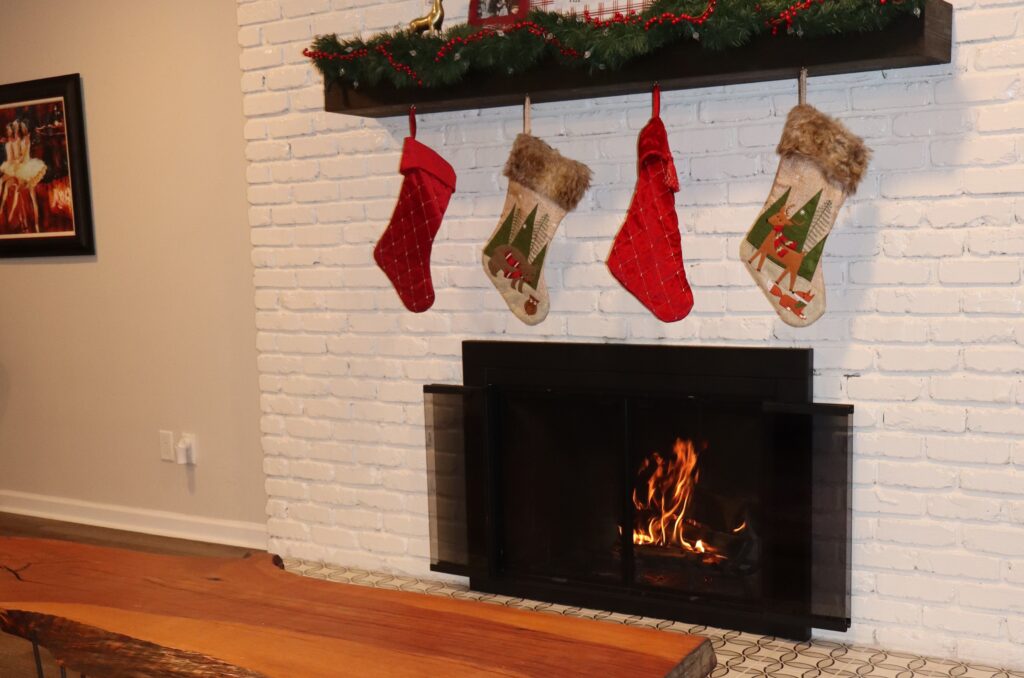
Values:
[(842, 155), (541, 168)]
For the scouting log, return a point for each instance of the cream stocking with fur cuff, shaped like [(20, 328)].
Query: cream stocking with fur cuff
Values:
[(821, 164), (543, 187)]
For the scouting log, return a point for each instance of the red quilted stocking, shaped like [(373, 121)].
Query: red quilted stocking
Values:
[(647, 255), (403, 252)]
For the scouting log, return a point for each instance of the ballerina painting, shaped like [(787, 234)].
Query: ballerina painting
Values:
[(43, 182)]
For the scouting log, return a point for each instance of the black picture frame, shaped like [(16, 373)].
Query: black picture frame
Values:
[(45, 201)]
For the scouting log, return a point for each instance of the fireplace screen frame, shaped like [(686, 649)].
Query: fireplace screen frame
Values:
[(775, 382)]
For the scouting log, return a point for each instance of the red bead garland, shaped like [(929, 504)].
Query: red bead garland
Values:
[(528, 26), (784, 18), (314, 54), (398, 66)]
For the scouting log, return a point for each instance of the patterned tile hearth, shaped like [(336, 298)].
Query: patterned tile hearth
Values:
[(739, 654)]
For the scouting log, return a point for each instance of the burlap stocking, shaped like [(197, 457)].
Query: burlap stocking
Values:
[(821, 163), (543, 187)]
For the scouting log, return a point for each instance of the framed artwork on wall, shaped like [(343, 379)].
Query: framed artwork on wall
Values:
[(45, 203), (491, 12)]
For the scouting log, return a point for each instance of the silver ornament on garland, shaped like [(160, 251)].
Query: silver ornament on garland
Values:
[(431, 22)]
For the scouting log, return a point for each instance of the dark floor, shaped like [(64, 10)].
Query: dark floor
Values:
[(16, 659)]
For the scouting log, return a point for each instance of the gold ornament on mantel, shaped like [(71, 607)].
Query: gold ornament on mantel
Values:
[(431, 23)]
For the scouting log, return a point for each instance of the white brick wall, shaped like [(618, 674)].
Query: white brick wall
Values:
[(924, 332)]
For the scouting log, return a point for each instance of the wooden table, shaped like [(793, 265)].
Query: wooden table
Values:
[(110, 613)]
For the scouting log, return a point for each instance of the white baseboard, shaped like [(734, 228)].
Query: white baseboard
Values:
[(147, 521)]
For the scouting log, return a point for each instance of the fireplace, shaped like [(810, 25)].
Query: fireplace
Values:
[(701, 484)]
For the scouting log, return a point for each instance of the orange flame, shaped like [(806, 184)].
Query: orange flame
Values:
[(661, 515)]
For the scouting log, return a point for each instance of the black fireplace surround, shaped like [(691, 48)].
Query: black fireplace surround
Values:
[(700, 484)]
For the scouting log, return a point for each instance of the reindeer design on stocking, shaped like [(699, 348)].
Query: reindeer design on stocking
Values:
[(776, 244)]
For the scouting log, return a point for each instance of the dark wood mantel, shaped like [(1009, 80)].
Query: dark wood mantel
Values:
[(909, 41)]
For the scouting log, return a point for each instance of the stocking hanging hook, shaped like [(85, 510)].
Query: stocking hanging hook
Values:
[(802, 87), (656, 100), (412, 121), (526, 114)]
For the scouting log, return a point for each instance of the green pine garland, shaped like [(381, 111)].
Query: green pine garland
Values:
[(733, 23)]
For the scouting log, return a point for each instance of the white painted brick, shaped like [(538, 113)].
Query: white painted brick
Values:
[(924, 243), (735, 110), (896, 95), (985, 25), (334, 536), (931, 123), (889, 330), (915, 475), (915, 587), (979, 271), (884, 388), (249, 36), (993, 540), (881, 272), (918, 301), (289, 489), (725, 167), (958, 565), (922, 185), (287, 529), (258, 12), (889, 611), (922, 533), (923, 331), (968, 623), (294, 8), (974, 450), (970, 88), (985, 359), (1000, 55), (311, 513), (997, 241), (969, 212), (1008, 420), (898, 358), (967, 387), (987, 180), (260, 57), (885, 557), (884, 501), (978, 151), (287, 31), (925, 418), (1004, 482), (1001, 118), (965, 508), (887, 444)]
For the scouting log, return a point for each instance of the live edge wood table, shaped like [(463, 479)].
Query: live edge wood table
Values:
[(110, 613)]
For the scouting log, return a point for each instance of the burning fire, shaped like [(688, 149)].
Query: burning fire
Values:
[(661, 518)]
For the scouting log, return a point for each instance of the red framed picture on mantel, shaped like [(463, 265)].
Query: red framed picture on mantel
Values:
[(492, 12)]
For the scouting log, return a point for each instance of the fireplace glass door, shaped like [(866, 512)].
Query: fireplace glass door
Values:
[(559, 461), (644, 492)]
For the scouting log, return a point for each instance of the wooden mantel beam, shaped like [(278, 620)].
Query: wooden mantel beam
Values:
[(909, 41)]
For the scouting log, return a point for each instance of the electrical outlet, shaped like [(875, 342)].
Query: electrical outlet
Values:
[(167, 446)]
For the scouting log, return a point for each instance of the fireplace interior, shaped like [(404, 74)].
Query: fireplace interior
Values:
[(700, 484)]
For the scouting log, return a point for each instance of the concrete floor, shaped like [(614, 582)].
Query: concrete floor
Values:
[(16, 660)]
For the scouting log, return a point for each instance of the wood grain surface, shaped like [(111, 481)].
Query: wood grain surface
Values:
[(114, 613)]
